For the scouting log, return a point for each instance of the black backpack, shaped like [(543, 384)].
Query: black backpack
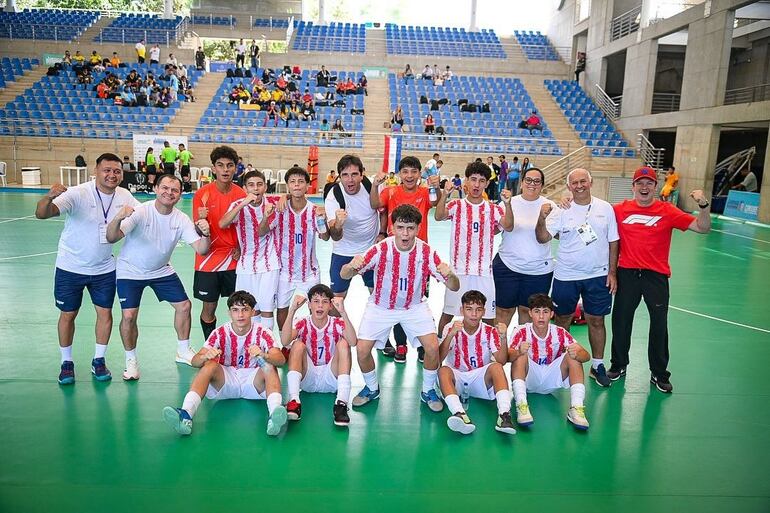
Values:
[(423, 99), (80, 161), (230, 73), (337, 191)]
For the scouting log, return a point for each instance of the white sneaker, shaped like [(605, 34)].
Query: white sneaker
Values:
[(276, 421), (132, 370), (185, 357), (577, 415), (523, 416)]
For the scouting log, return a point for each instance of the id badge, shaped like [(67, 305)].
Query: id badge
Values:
[(103, 234), (587, 233)]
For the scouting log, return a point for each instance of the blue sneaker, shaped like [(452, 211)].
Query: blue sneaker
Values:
[(276, 421), (99, 370), (365, 396), (432, 400), (67, 374), (179, 420)]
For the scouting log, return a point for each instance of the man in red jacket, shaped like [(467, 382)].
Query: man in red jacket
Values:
[(645, 225)]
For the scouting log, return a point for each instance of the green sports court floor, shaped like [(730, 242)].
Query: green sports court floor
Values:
[(96, 447)]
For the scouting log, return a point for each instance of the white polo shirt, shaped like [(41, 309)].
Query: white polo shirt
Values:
[(150, 239), (519, 250), (361, 226), (82, 248), (577, 260)]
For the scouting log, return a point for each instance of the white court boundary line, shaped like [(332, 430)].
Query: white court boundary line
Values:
[(741, 236), (720, 320), (12, 219), (28, 256)]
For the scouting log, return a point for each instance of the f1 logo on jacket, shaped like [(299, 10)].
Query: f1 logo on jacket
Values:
[(642, 219)]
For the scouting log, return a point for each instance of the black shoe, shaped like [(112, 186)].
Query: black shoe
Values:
[(599, 374), (341, 417), (400, 354), (616, 373), (662, 384), (388, 351), (421, 354)]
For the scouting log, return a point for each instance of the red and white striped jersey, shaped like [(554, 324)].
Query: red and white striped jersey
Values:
[(296, 235), (258, 254), (400, 277), (473, 234), (472, 350), (320, 342), (235, 349), (543, 351)]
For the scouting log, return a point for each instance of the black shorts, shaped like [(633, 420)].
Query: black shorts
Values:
[(151, 170), (185, 171), (168, 167), (210, 286)]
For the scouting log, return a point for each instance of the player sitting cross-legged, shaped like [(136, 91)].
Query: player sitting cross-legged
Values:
[(474, 354), (238, 361)]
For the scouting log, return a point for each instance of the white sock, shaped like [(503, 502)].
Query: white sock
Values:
[(370, 378), (99, 350), (428, 379), (453, 403), (577, 394), (66, 353), (131, 355), (267, 323), (503, 401), (273, 401), (595, 362), (343, 388), (292, 381), (182, 346), (191, 403), (520, 391)]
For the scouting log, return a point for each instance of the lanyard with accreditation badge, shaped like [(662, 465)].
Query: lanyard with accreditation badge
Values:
[(585, 230), (105, 212)]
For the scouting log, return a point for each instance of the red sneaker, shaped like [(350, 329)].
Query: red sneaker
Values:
[(293, 410), (400, 354)]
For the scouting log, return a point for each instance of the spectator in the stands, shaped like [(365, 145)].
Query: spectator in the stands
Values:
[(447, 75), (308, 112), (340, 130), (580, 65), (277, 96), (398, 117), (186, 87), (281, 82), (271, 113), (127, 164), (172, 60), (748, 181), (94, 59), (115, 61), (84, 75), (307, 97), (254, 54), (67, 59), (322, 77), (79, 59), (292, 112), (362, 86), (534, 123), (200, 59), (324, 128), (436, 72), (408, 73), (514, 173), (240, 54), (155, 54), (128, 97), (427, 72), (429, 124), (164, 99)]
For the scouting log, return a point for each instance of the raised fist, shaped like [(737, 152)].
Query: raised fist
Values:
[(210, 353), (125, 212), (340, 216), (545, 209), (444, 269), (505, 195), (56, 190), (299, 300), (203, 226), (357, 263), (339, 304)]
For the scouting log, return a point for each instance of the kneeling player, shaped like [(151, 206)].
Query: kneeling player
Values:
[(545, 358), (474, 355), (320, 354), (238, 361)]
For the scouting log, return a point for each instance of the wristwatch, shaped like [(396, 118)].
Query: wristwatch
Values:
[(704, 205)]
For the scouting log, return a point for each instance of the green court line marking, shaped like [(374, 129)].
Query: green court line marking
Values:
[(763, 330)]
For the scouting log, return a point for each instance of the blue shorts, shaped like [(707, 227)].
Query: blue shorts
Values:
[(338, 284), (169, 288), (597, 299), (68, 289), (513, 289)]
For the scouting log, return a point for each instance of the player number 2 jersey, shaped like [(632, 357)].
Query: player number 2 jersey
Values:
[(235, 349), (474, 350), (320, 342)]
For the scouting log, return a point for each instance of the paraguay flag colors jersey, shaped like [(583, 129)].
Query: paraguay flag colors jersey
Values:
[(543, 351), (473, 235), (296, 236), (258, 254), (235, 349), (320, 342), (400, 277), (472, 350)]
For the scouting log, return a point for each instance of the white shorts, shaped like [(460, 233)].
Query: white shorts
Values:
[(263, 286), (239, 384), (475, 379), (287, 289), (484, 284), (319, 379), (545, 379), (377, 322)]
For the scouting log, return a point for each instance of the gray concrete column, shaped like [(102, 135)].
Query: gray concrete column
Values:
[(639, 79), (646, 14), (695, 157), (707, 61), (764, 191), (473, 28), (168, 9), (321, 12), (598, 35)]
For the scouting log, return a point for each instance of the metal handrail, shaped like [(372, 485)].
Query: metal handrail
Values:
[(731, 166), (556, 172), (665, 102), (625, 24), (650, 155), (36, 27), (174, 35), (755, 93), (607, 105)]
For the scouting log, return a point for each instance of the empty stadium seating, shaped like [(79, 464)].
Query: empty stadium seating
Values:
[(496, 131), (589, 122), (218, 21), (15, 67), (55, 24), (130, 28), (450, 42), (59, 107), (276, 23), (223, 122), (536, 46), (335, 37)]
